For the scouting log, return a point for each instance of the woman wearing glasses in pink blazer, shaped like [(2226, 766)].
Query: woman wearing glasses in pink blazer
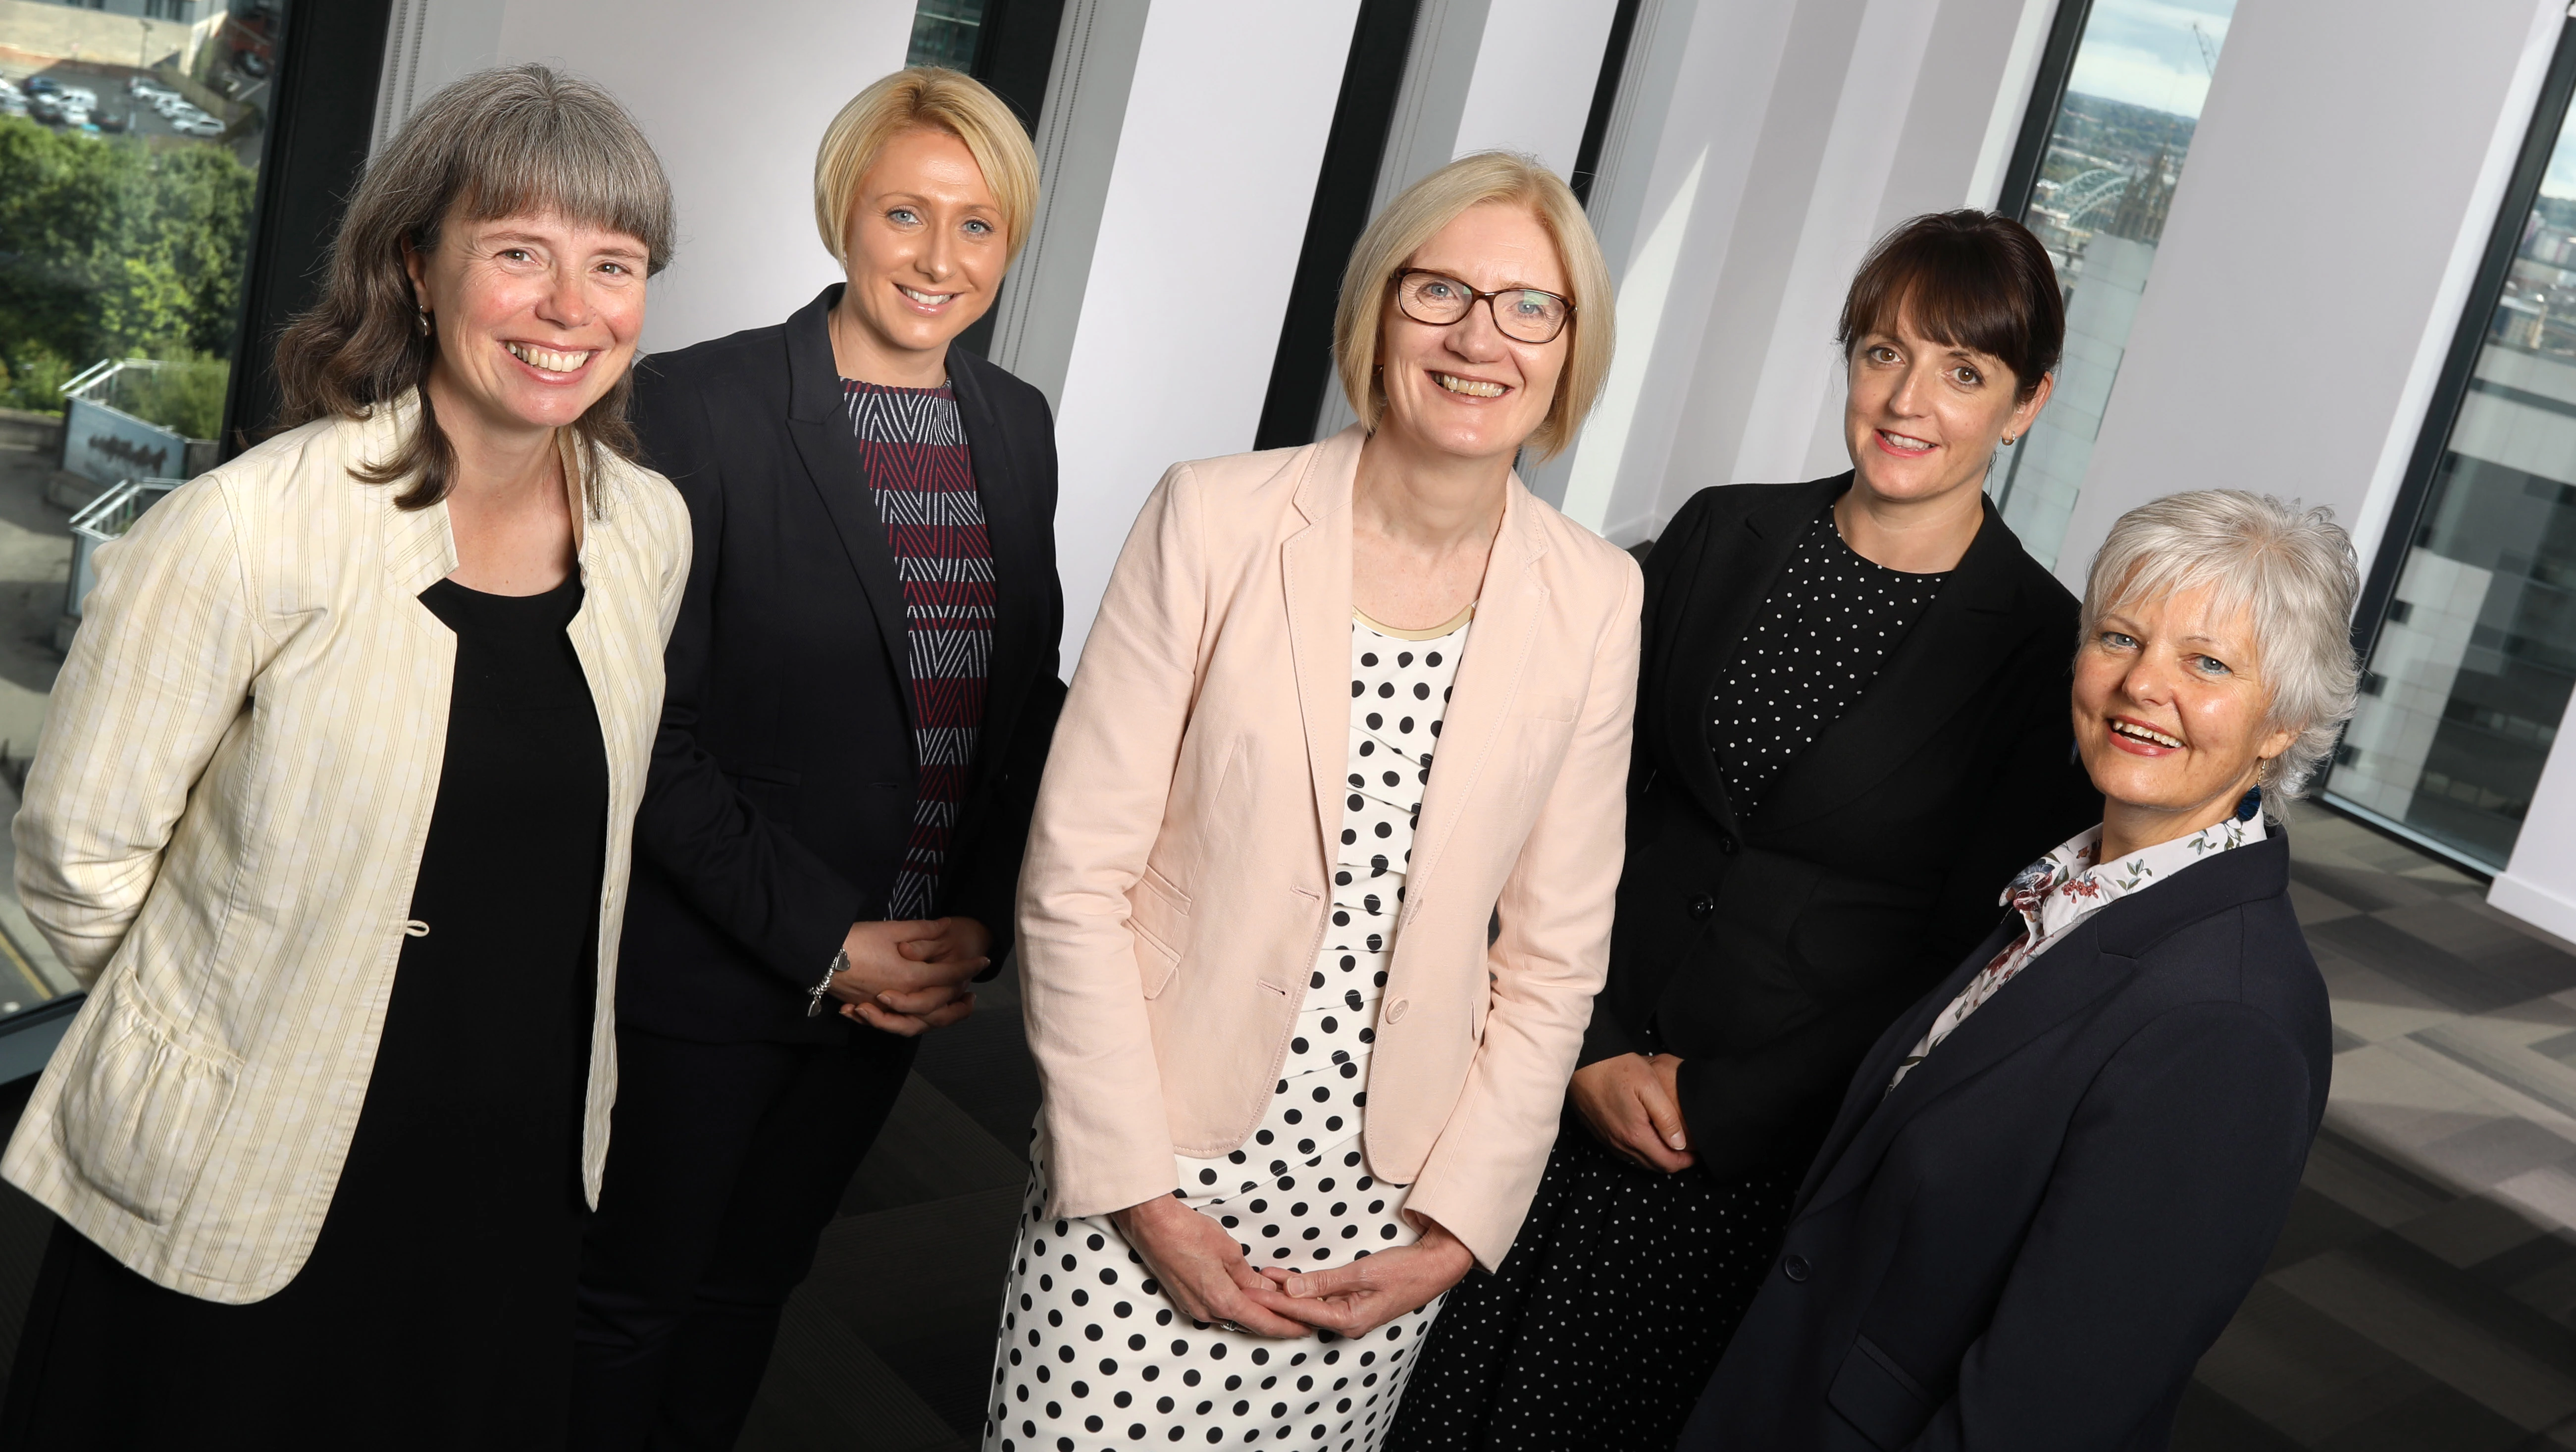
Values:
[(1318, 891)]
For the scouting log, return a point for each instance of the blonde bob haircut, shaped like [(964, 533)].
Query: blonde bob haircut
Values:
[(1414, 218), (2288, 570), (925, 98)]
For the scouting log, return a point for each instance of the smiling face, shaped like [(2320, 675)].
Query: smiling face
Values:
[(536, 317), (925, 252), (2171, 716), (1924, 417), (1463, 388)]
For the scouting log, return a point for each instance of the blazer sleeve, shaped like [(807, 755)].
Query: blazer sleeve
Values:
[(765, 889), (2172, 1184), (1098, 812), (1675, 557), (1545, 965), (162, 668)]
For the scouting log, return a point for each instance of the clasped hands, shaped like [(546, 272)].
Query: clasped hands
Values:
[(909, 977), (1204, 1272), (1633, 1104)]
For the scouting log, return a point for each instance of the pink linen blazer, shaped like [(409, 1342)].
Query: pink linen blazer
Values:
[(1178, 870)]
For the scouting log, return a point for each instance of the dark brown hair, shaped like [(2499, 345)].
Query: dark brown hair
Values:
[(499, 143), (1965, 279)]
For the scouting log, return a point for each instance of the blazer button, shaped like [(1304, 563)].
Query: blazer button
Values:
[(1702, 906), (1395, 1010), (1796, 1268)]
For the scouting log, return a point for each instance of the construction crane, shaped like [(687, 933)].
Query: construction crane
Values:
[(2208, 49)]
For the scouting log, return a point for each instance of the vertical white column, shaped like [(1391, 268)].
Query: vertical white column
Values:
[(1227, 113), (1077, 141)]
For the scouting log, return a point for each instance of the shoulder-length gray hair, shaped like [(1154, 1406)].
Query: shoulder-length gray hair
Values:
[(2290, 571), (499, 143)]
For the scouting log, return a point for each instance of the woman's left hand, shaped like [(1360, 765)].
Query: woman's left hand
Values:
[(1353, 1300)]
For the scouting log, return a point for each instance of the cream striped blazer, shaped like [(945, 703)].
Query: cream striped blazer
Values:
[(222, 829)]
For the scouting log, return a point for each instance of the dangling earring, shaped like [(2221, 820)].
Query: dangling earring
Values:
[(420, 318)]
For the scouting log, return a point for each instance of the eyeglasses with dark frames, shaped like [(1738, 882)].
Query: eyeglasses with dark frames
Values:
[(1439, 299)]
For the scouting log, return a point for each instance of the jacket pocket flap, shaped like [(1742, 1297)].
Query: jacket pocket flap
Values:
[(1159, 916), (1878, 1398)]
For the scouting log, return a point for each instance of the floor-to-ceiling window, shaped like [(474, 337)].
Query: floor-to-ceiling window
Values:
[(132, 139), (2122, 91), (2471, 618), (130, 147), (945, 32)]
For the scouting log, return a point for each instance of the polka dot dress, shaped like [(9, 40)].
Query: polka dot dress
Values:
[(1818, 641), (1091, 1355), (1602, 1326)]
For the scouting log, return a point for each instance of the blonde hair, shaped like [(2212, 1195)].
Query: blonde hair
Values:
[(925, 98), (2290, 571), (1415, 217)]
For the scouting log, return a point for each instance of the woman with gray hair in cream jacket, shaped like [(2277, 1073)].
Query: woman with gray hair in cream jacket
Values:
[(332, 817)]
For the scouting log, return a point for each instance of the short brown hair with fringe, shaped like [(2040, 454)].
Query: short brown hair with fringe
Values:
[(931, 98), (499, 143), (1964, 279), (1415, 217)]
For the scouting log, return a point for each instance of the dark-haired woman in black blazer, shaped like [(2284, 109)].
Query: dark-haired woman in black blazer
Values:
[(1851, 730), (2054, 1179), (862, 686)]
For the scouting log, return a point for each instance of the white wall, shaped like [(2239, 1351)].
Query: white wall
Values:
[(1198, 240), (2344, 179), (734, 100)]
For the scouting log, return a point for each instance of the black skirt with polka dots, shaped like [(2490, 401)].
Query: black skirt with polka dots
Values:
[(1602, 1326)]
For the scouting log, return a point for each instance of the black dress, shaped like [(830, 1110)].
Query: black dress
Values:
[(436, 1309), (1601, 1327)]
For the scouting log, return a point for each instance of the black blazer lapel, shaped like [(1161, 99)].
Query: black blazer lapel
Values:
[(1942, 665), (1018, 612), (820, 429), (1733, 579), (2059, 985), (1869, 1083), (2096, 957)]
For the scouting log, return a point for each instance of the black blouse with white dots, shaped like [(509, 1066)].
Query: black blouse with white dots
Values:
[(1817, 642)]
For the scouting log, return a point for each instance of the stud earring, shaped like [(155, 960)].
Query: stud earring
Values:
[(2008, 439)]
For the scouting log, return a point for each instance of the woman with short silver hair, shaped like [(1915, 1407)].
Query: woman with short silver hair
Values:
[(2055, 1179), (332, 818)]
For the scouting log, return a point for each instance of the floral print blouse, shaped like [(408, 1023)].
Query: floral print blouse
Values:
[(2066, 887)]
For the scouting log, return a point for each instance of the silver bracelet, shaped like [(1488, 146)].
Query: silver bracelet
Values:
[(840, 964)]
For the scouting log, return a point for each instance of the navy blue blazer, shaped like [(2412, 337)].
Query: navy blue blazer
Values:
[(2029, 1244)]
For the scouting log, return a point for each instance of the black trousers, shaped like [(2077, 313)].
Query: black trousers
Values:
[(725, 1164)]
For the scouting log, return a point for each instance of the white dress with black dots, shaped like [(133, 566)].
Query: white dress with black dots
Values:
[(1091, 1356)]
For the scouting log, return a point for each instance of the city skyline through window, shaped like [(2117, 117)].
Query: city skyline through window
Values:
[(2115, 152), (2469, 676)]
